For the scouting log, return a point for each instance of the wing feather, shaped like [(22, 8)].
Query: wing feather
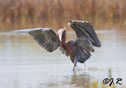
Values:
[(86, 36), (45, 37)]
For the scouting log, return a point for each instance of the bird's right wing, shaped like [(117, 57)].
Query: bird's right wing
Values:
[(45, 37)]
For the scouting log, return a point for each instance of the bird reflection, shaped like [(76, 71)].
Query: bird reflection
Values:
[(81, 80)]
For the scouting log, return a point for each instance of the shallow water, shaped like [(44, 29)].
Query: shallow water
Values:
[(24, 64)]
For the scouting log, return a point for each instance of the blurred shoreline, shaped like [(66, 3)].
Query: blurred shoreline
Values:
[(18, 14)]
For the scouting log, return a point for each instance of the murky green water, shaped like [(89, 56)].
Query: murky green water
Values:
[(24, 64)]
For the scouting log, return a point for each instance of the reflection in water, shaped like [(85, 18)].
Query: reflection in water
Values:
[(81, 80), (24, 64)]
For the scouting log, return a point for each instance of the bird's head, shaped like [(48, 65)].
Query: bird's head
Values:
[(62, 34)]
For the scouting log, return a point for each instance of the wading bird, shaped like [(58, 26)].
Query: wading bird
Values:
[(78, 50)]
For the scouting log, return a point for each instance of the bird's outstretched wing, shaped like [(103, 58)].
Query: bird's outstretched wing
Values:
[(86, 36), (45, 37)]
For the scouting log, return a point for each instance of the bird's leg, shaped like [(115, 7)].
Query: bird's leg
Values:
[(75, 64), (85, 66)]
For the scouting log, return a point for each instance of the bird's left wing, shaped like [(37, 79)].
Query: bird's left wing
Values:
[(45, 37), (86, 36)]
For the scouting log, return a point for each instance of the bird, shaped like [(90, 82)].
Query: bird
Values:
[(79, 50)]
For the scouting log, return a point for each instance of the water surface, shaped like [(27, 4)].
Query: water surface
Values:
[(24, 64)]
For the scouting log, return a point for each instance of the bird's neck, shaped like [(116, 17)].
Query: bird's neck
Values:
[(62, 37), (62, 42)]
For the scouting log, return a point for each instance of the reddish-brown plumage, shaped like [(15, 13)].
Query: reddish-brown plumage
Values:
[(64, 45), (68, 49)]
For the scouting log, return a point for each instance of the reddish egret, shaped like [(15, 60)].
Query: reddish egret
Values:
[(78, 50)]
